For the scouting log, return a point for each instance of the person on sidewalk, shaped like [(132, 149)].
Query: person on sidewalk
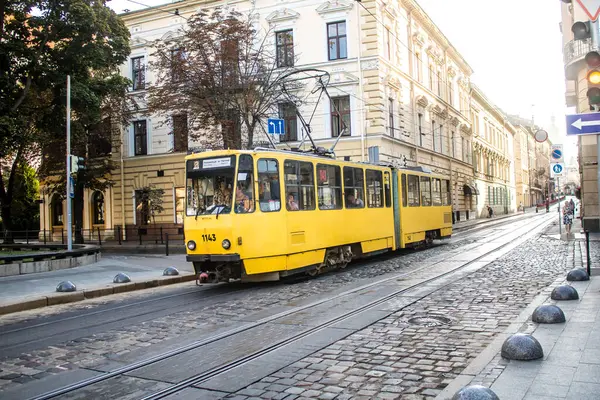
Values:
[(567, 217)]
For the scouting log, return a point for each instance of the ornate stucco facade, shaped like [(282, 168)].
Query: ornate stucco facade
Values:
[(406, 91)]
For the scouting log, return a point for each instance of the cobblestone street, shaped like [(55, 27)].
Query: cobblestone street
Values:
[(415, 353)]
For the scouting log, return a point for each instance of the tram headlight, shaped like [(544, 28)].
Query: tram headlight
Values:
[(226, 244), (191, 245)]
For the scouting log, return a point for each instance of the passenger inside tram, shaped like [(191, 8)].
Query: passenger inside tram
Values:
[(354, 202)]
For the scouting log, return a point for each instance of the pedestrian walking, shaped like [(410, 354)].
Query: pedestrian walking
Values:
[(567, 217)]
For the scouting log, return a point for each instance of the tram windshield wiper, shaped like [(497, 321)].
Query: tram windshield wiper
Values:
[(219, 208)]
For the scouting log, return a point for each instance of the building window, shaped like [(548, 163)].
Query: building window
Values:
[(340, 115), (179, 204), (269, 193), (433, 140), (354, 189), (138, 73), (452, 144), (285, 48), (431, 77), (140, 138), (337, 41), (419, 67), (388, 44), (57, 210), (420, 120), (329, 187), (374, 189), (287, 112), (180, 132), (98, 208), (451, 93), (142, 208), (391, 116), (440, 90), (441, 138), (177, 67)]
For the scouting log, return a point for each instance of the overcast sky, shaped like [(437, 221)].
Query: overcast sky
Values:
[(515, 49)]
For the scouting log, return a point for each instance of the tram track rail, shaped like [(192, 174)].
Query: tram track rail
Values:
[(523, 231)]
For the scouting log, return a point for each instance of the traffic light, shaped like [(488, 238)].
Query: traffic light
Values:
[(77, 163), (581, 30), (592, 60)]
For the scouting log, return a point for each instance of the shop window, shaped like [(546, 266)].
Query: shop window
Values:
[(179, 204), (269, 192), (354, 189), (299, 185), (374, 189), (329, 187)]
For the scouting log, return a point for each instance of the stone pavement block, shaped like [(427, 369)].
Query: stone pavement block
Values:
[(587, 373), (561, 356), (591, 356), (556, 374), (511, 387), (583, 391), (548, 390)]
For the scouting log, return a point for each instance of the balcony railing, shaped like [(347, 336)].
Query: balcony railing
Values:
[(576, 49)]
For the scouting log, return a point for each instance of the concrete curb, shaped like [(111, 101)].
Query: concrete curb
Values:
[(32, 303)]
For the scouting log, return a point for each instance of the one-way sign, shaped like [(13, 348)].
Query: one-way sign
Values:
[(583, 124)]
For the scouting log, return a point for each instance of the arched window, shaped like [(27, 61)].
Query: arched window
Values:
[(57, 210), (98, 208)]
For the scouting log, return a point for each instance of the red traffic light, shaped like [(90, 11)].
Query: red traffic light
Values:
[(592, 59)]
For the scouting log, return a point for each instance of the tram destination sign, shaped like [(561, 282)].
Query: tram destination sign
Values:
[(583, 124)]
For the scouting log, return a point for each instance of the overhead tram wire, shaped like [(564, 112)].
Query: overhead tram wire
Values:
[(176, 12)]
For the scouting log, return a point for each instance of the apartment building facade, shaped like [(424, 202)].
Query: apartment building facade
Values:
[(401, 88)]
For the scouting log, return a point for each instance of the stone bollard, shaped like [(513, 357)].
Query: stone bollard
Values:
[(121, 278), (548, 314), (522, 347), (564, 292), (170, 271), (577, 275), (475, 392), (66, 286)]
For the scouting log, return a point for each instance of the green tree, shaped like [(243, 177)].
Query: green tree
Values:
[(25, 209), (41, 42), (151, 202)]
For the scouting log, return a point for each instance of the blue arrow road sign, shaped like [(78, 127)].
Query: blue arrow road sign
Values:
[(583, 124), (557, 168), (276, 126), (557, 154)]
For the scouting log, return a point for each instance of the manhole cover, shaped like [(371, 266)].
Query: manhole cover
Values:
[(429, 321)]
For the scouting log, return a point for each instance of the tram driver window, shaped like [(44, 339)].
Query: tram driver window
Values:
[(244, 189), (269, 193), (425, 191), (354, 189), (329, 187), (374, 189), (436, 192), (413, 191), (299, 185)]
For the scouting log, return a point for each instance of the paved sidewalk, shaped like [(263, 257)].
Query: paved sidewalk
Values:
[(570, 368), (28, 291)]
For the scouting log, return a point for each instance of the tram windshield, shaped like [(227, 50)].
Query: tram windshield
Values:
[(209, 188)]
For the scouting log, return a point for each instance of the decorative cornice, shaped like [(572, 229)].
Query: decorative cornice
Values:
[(370, 65), (464, 128), (437, 110), (422, 101), (451, 72), (454, 121), (435, 54), (282, 15), (394, 82), (137, 42), (335, 6)]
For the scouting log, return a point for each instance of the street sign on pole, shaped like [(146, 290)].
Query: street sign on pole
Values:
[(583, 124), (557, 153), (275, 126), (557, 169), (591, 8), (541, 136)]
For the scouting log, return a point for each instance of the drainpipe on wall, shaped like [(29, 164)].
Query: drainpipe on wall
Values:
[(362, 114), (122, 192)]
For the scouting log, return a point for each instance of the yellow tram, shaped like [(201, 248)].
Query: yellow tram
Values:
[(265, 214)]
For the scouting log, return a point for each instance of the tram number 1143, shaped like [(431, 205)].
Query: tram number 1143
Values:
[(209, 237)]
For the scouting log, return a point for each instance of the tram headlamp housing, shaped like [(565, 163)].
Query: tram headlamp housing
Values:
[(191, 245), (226, 244)]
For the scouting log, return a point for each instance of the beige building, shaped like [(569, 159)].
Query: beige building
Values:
[(493, 155), (401, 87), (574, 52)]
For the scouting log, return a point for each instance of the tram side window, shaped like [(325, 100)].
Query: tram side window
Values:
[(425, 191), (404, 192), (446, 200), (269, 193), (354, 189), (244, 191), (374, 189), (299, 185), (387, 190), (329, 187), (413, 191), (436, 191)]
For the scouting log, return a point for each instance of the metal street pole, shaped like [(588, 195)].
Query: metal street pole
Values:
[(69, 227)]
